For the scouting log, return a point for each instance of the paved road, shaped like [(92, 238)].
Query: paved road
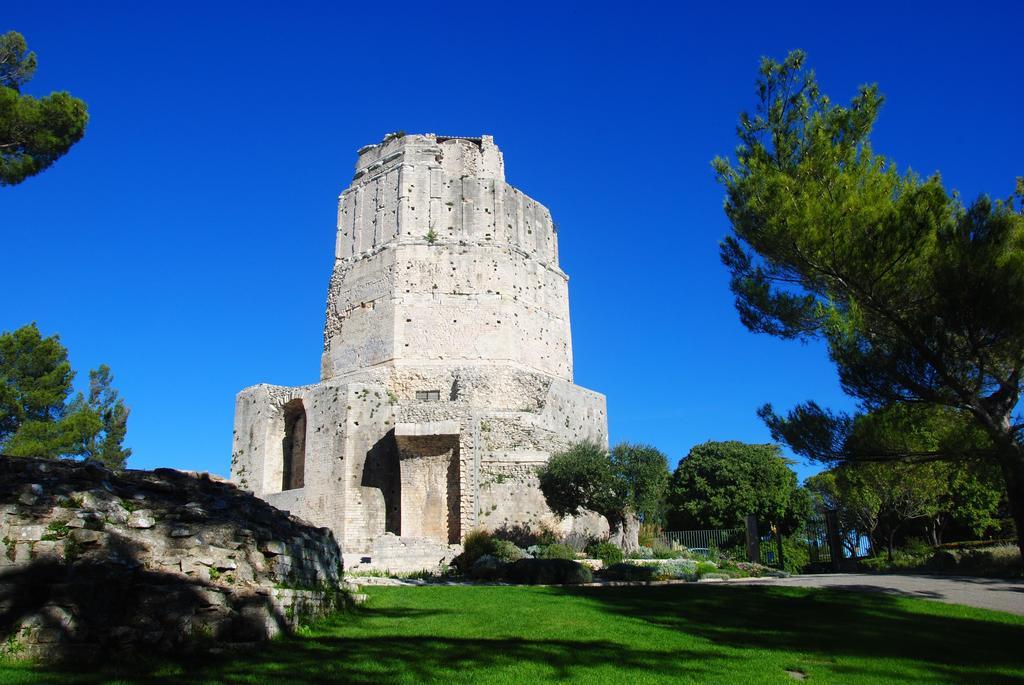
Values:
[(987, 593)]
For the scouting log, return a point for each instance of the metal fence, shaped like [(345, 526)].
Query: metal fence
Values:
[(768, 549), (703, 540), (816, 534)]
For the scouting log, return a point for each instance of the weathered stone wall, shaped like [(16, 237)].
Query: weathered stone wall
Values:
[(257, 455), (360, 312), (369, 498), (93, 562), (436, 262)]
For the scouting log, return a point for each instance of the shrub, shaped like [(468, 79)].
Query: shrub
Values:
[(641, 552), (660, 550), (607, 552), (746, 569), (487, 567), (795, 555), (901, 561), (705, 567), (943, 561), (918, 547), (628, 572), (873, 564), (476, 544), (549, 572), (506, 551), (545, 534), (680, 569), (1000, 561), (556, 551), (648, 534)]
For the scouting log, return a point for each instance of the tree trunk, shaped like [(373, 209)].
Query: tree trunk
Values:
[(1011, 459), (625, 532)]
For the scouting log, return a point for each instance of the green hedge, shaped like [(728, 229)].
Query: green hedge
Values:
[(548, 572)]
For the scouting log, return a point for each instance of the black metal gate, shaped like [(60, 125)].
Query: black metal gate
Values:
[(819, 535)]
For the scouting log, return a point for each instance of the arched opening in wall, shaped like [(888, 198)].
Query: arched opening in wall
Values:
[(293, 446), (430, 487), (381, 471)]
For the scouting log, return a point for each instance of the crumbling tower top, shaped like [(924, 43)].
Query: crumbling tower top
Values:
[(439, 262), (457, 156)]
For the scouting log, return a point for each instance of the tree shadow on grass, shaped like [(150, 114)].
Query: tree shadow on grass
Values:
[(410, 659), (825, 623), (891, 591)]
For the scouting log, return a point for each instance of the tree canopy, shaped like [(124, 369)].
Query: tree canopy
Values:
[(35, 381), (888, 502), (623, 485), (34, 132), (919, 299), (37, 418), (718, 484), (644, 472), (581, 478)]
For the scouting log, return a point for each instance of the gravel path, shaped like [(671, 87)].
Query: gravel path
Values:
[(986, 593)]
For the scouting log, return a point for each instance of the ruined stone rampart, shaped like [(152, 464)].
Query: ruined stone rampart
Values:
[(94, 562)]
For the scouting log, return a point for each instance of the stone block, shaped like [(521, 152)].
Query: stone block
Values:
[(212, 597), (84, 536), (273, 547), (28, 533), (141, 518), (116, 513), (48, 550)]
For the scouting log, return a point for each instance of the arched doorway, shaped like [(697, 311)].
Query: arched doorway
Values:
[(293, 446)]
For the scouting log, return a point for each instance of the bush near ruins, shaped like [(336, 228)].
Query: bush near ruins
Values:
[(623, 485), (549, 572), (556, 551), (476, 544), (607, 552), (507, 551)]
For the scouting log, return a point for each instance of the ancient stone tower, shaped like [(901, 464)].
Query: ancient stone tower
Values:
[(446, 375)]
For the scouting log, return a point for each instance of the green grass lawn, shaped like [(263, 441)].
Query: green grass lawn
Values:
[(682, 633)]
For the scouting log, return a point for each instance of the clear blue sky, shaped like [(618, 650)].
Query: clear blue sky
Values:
[(187, 240)]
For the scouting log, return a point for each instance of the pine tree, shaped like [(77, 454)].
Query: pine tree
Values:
[(37, 419), (105, 445), (34, 132), (919, 298)]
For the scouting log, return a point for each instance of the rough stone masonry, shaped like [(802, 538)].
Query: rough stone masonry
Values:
[(446, 375), (95, 563)]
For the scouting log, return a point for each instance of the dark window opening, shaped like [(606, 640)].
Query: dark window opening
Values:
[(428, 395), (293, 446)]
